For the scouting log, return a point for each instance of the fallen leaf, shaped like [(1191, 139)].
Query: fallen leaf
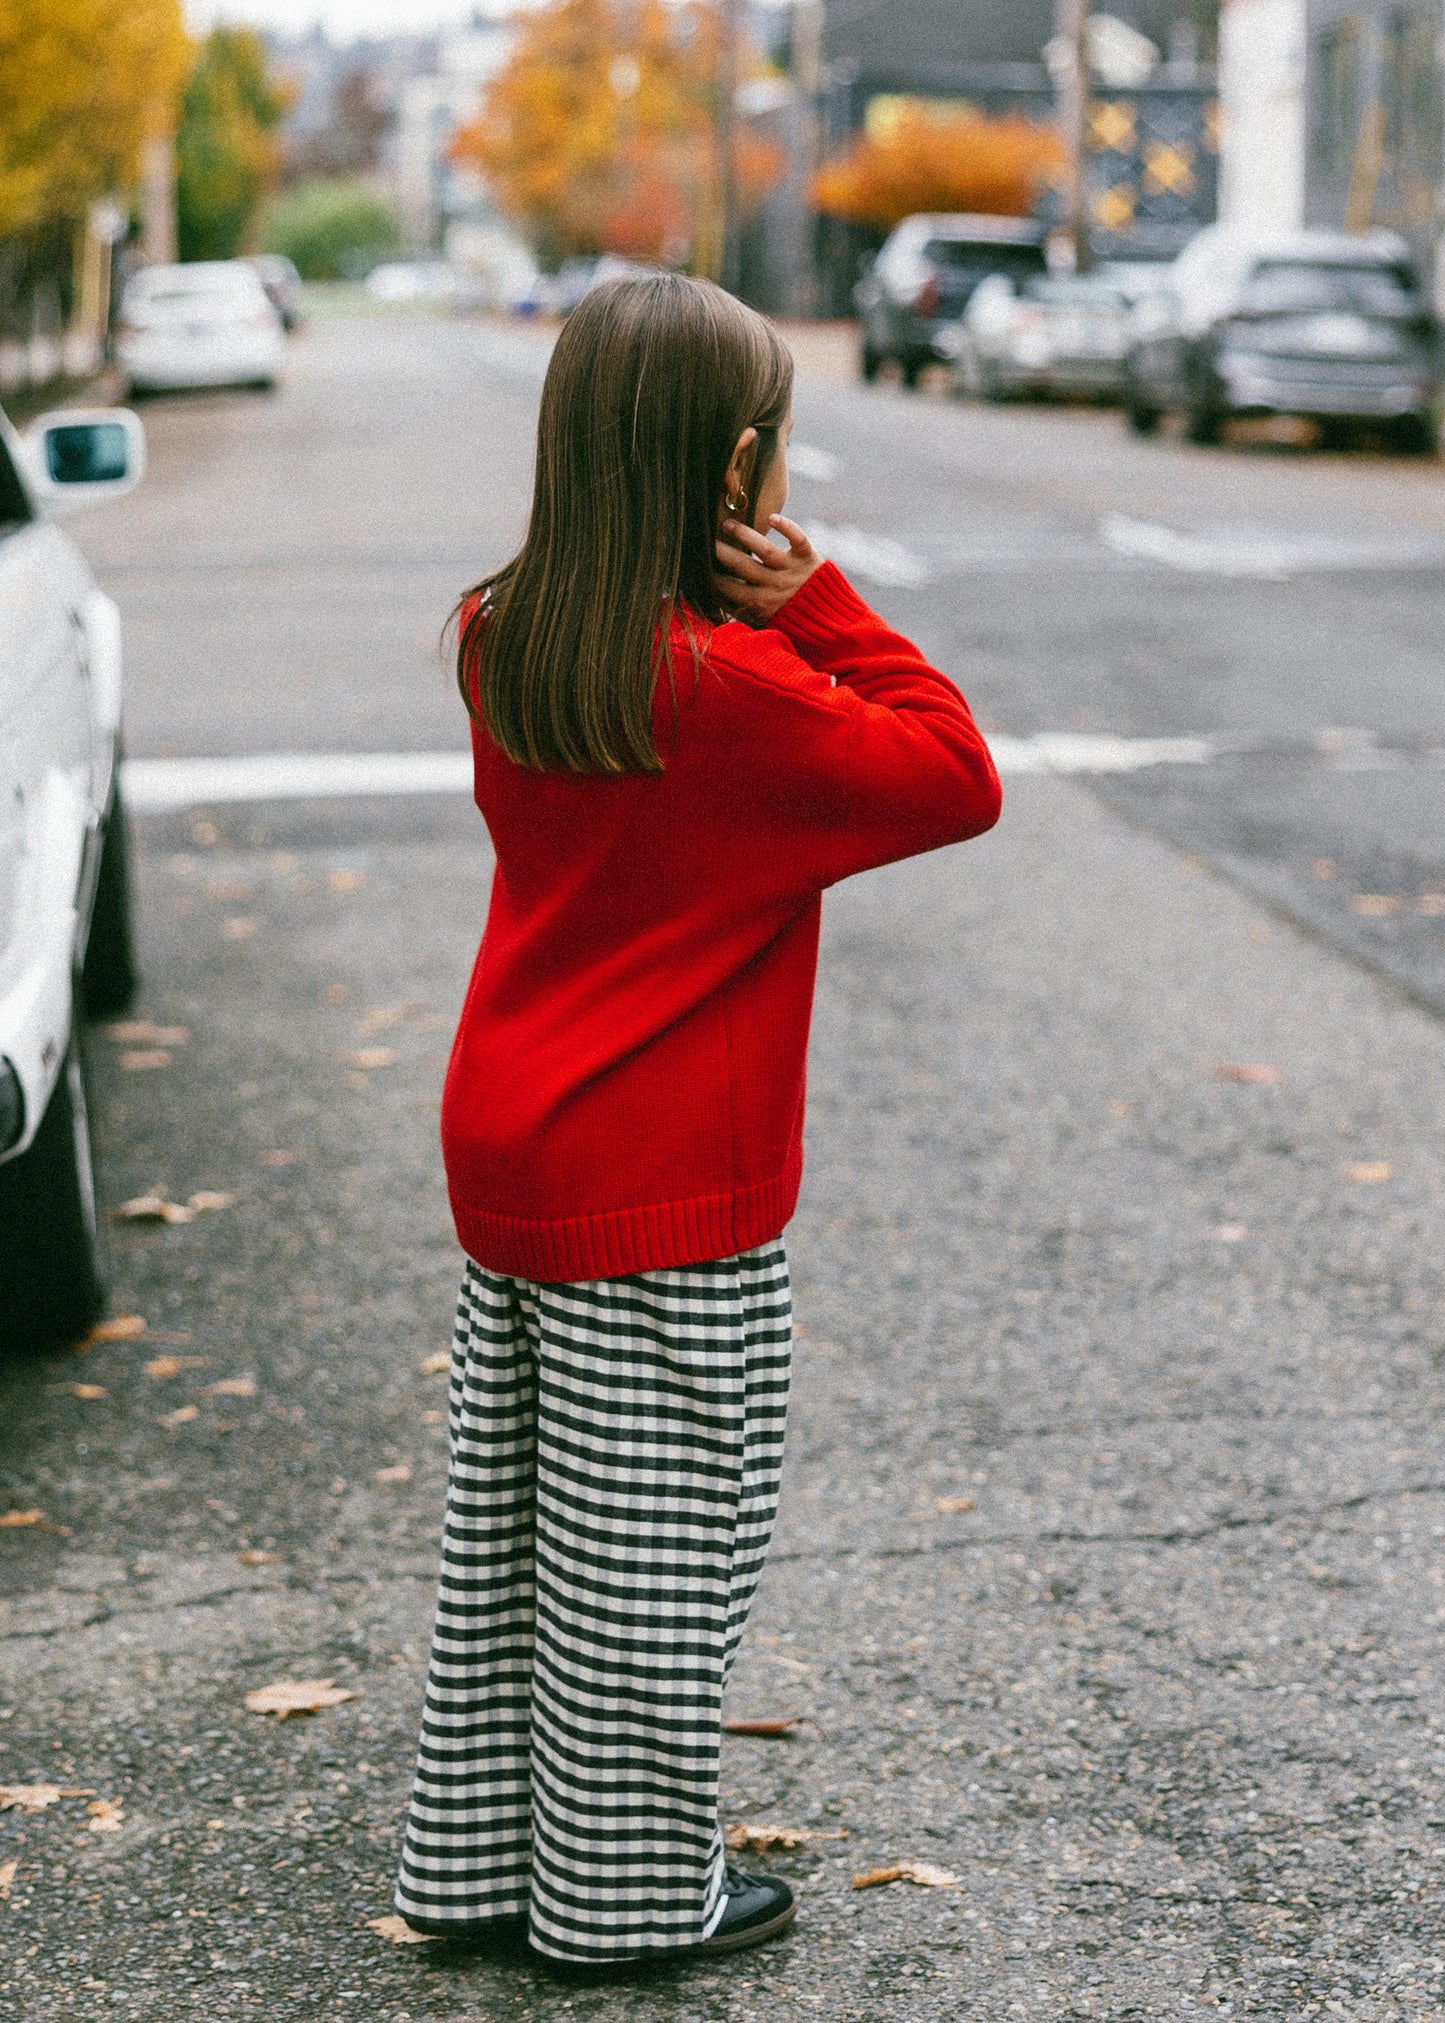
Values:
[(1230, 1232), (372, 1057), (396, 1928), (36, 1797), (782, 1725), (297, 1696), (123, 1328), (8, 1873), (1431, 903), (1260, 1072), (143, 1033), (81, 1390), (1376, 905), (335, 993), (380, 1019), (433, 1418), (282, 1156), (228, 888), (926, 1873), (207, 1202), (435, 1364), (138, 1059), (233, 1387), (1324, 867), (400, 1473), (948, 1505), (171, 1366), (1370, 1172), (764, 1839), (14, 1519), (240, 927), (346, 881), (106, 1815), (182, 1416), (253, 1556), (151, 1208)]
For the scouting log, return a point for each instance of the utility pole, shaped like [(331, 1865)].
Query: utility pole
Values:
[(1071, 82), (806, 136), (725, 120)]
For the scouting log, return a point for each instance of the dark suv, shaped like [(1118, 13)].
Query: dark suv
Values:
[(1332, 327), (918, 287)]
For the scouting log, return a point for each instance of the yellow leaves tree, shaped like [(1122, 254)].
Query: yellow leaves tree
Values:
[(928, 159), (599, 134), (83, 84)]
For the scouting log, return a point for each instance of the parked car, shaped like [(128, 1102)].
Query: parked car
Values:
[(1044, 333), (209, 323), (1332, 327), (425, 283), (65, 922), (284, 290), (921, 282)]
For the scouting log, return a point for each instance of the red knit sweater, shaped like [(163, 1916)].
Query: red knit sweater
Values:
[(626, 1087)]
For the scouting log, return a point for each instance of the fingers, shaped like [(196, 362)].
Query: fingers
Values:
[(793, 534), (766, 551), (750, 567)]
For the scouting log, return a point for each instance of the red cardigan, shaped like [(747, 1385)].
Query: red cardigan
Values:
[(626, 1087)]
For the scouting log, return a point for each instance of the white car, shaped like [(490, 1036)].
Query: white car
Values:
[(65, 930), (208, 323)]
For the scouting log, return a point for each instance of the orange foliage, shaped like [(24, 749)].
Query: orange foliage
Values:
[(598, 134), (936, 161)]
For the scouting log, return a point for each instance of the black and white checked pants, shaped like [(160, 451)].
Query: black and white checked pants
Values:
[(616, 1450)]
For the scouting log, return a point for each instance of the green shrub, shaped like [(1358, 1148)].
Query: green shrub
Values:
[(334, 230)]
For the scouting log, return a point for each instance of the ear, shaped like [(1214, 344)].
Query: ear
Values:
[(741, 463)]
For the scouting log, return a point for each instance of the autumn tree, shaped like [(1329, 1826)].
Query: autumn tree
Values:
[(926, 159), (227, 148), (599, 134), (83, 84)]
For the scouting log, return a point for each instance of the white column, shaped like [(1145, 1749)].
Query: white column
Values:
[(1263, 134)]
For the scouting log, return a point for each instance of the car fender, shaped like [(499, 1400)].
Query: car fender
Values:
[(37, 979)]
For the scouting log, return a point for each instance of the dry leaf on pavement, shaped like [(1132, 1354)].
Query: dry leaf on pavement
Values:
[(765, 1839), (1248, 1071), (253, 1556), (781, 1725), (13, 1520), (123, 1328), (106, 1815), (171, 1366), (297, 1696), (282, 1156), (435, 1364), (137, 1059), (1376, 905), (372, 1057), (396, 1928), (208, 1201), (36, 1797), (8, 1872), (144, 1033), (80, 1390), (151, 1208), (346, 881), (240, 927), (400, 1473), (182, 1416), (233, 1387), (1370, 1172), (947, 1505), (926, 1873)]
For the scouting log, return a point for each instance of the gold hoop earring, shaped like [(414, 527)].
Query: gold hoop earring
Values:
[(736, 505)]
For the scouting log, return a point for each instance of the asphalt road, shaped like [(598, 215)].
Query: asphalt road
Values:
[(1108, 1564)]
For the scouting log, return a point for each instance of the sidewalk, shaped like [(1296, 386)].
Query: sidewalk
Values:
[(1107, 1560)]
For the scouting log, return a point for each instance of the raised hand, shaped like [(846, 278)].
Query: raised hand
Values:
[(755, 576)]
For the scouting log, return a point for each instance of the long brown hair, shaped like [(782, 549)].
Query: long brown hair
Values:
[(650, 385)]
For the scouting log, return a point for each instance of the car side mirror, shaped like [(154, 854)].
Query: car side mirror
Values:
[(78, 455)]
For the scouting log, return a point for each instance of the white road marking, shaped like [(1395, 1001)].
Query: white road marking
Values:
[(163, 786), (1265, 557), (873, 557), (805, 460), (159, 786)]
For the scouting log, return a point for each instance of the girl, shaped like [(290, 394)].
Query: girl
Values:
[(684, 731)]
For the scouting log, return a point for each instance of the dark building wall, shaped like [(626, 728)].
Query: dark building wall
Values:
[(939, 35)]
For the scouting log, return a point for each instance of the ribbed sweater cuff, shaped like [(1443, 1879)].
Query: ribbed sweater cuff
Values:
[(826, 605)]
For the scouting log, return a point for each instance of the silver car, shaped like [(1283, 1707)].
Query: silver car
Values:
[(65, 932), (1044, 334)]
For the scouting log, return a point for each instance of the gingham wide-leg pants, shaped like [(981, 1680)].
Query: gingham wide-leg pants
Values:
[(616, 1450)]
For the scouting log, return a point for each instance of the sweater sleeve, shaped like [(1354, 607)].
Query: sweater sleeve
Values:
[(918, 774)]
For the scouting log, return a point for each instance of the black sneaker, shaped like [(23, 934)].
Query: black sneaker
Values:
[(505, 1931), (758, 1908)]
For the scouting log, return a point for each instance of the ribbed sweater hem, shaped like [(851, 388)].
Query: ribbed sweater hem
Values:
[(660, 1237)]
